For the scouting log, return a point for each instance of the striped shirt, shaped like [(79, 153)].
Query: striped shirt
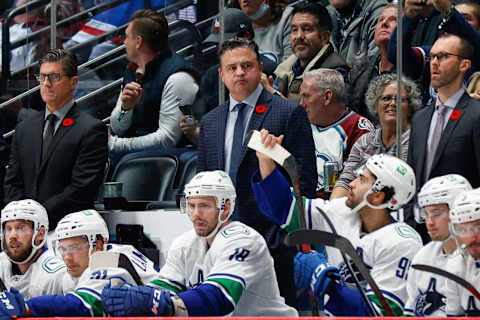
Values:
[(365, 147)]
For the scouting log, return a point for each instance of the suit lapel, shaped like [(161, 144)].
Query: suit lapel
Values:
[(59, 134), (451, 125), (257, 118), (424, 128), (37, 140), (222, 120)]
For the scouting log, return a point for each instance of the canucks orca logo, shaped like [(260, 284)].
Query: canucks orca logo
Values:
[(347, 278), (430, 300), (472, 310)]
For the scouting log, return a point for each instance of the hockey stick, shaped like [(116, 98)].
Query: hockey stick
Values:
[(285, 159), (467, 285), (349, 266), (105, 259), (344, 245)]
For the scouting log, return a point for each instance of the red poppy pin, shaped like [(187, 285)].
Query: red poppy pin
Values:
[(261, 108), (67, 122), (455, 115)]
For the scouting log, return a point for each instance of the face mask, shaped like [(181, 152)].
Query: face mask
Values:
[(260, 13)]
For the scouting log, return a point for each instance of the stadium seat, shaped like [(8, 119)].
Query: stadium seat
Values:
[(146, 177)]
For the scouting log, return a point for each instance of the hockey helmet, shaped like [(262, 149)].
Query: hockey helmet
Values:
[(29, 210), (215, 184)]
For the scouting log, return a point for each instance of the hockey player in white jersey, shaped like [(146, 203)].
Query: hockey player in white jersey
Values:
[(385, 245), (218, 268), (79, 235), (465, 226), (426, 291), (25, 263)]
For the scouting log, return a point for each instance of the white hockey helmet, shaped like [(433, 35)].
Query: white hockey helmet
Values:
[(29, 210), (466, 207), (212, 184), (86, 223), (441, 190), (390, 172)]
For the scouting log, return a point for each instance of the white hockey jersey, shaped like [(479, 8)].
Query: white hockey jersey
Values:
[(44, 276), (460, 302), (91, 283), (387, 251), (426, 291), (238, 262)]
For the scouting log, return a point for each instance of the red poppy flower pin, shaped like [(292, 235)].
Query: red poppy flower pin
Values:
[(67, 122), (261, 108), (455, 114)]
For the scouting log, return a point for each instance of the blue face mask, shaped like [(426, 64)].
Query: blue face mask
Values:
[(260, 13)]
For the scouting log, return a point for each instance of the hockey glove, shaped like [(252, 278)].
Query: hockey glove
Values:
[(12, 304), (312, 272), (136, 301)]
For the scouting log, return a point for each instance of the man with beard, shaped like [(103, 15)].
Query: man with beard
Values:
[(26, 265), (427, 292), (310, 41), (385, 245), (79, 235), (445, 136), (219, 268)]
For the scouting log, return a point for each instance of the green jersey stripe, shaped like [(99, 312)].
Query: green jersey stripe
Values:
[(166, 285), (397, 309), (291, 224), (233, 288), (94, 304)]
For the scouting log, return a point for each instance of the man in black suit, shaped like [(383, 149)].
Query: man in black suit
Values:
[(59, 156), (251, 107), (445, 135)]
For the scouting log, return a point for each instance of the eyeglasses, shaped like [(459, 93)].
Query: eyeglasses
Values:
[(52, 77), (464, 231), (442, 56), (18, 229), (72, 249), (387, 98)]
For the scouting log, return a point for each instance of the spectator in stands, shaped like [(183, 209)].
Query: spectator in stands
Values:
[(474, 86), (250, 107), (155, 84), (272, 31), (367, 67), (236, 24), (381, 99), (310, 40), (107, 21), (426, 20), (415, 64), (57, 157), (335, 127), (445, 136), (354, 23)]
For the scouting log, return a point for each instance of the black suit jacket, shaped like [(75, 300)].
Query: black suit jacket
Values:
[(458, 150), (68, 178), (281, 117)]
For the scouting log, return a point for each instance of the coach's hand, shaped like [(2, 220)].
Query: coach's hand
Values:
[(136, 301)]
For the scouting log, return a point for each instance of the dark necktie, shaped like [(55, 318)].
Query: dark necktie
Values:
[(237, 140), (49, 131), (436, 135)]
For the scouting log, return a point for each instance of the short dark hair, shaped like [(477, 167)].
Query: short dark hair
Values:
[(68, 59), (322, 18), (474, 5), (152, 26), (237, 42), (466, 48)]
